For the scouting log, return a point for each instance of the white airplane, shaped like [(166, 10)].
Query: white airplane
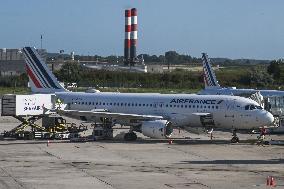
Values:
[(212, 85), (152, 114)]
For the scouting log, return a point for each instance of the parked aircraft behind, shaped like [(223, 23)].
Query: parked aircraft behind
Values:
[(212, 85), (152, 114)]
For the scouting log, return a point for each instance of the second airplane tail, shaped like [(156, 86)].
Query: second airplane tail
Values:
[(41, 79), (208, 72)]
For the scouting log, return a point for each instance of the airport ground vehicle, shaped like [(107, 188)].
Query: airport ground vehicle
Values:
[(35, 122)]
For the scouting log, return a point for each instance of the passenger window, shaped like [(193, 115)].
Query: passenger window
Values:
[(217, 107), (110, 104), (167, 105), (181, 106), (103, 103), (170, 105), (90, 103), (193, 106), (197, 106), (189, 106), (246, 107), (185, 106)]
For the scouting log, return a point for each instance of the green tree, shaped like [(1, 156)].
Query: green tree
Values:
[(274, 69), (70, 72), (171, 56)]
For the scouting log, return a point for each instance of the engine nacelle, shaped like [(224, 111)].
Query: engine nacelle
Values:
[(157, 129)]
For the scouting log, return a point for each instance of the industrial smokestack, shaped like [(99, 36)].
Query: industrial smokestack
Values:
[(133, 36), (127, 37)]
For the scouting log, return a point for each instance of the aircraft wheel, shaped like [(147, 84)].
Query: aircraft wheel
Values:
[(130, 136), (235, 139)]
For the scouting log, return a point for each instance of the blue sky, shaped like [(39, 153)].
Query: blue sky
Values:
[(222, 28)]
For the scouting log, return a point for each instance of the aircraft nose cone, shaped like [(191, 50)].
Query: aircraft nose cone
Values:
[(268, 118)]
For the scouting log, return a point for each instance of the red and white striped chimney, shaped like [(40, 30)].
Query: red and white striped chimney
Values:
[(127, 36), (133, 36)]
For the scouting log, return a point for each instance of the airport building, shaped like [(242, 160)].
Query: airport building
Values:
[(12, 61)]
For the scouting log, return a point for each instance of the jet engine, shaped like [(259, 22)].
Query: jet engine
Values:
[(157, 129)]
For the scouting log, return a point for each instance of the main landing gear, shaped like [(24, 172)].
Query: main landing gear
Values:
[(235, 138), (131, 136)]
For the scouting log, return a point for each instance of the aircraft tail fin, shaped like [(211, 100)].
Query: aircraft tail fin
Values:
[(41, 79), (209, 76)]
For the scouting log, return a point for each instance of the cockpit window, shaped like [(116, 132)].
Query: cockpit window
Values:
[(259, 107), (252, 107)]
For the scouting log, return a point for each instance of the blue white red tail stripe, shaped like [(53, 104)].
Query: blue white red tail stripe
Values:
[(209, 75), (34, 69), (40, 66), (34, 79), (41, 78)]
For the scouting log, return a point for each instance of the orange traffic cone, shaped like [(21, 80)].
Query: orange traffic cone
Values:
[(272, 182), (268, 181)]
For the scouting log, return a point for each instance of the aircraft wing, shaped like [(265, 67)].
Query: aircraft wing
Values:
[(201, 114), (106, 114)]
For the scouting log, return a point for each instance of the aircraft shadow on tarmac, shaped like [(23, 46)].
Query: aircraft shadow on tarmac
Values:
[(232, 161), (174, 141), (19, 142), (177, 141)]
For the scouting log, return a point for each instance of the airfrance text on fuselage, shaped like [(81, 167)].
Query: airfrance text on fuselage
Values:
[(193, 101)]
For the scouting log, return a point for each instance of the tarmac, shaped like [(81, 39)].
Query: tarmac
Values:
[(191, 161)]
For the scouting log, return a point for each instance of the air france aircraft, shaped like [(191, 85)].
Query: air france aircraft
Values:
[(152, 114), (212, 86)]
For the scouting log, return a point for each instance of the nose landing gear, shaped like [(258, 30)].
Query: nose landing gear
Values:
[(235, 138)]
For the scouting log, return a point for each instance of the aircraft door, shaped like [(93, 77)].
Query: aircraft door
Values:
[(229, 114)]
